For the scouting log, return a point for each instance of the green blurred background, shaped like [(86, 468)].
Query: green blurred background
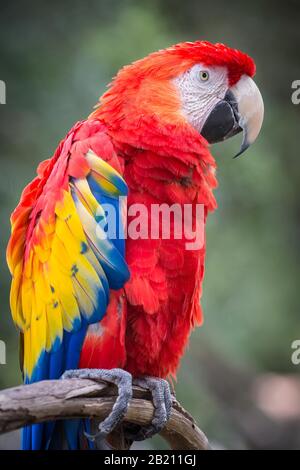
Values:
[(237, 378)]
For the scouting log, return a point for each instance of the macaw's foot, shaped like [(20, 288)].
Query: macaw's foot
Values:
[(122, 380), (162, 401)]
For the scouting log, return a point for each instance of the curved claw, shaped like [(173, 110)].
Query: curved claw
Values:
[(162, 401), (119, 377)]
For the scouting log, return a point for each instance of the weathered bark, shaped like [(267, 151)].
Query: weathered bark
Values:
[(58, 399)]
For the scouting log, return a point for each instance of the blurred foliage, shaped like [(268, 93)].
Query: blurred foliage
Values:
[(56, 59)]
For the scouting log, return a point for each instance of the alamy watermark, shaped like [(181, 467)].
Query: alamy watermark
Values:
[(295, 97), (152, 222), (2, 353), (2, 92), (295, 357)]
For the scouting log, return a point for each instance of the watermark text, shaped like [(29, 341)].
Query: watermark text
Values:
[(295, 358), (2, 353), (183, 222), (2, 92), (296, 93)]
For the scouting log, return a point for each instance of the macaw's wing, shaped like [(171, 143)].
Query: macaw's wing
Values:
[(62, 259)]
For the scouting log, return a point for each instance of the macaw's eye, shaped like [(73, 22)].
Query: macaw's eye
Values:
[(204, 75)]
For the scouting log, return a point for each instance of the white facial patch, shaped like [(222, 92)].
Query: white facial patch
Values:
[(200, 89)]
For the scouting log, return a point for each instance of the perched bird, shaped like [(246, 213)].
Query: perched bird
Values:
[(96, 304)]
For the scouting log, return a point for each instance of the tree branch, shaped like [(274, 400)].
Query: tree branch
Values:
[(77, 398)]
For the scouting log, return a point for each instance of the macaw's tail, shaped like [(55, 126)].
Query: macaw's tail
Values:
[(68, 433), (61, 435)]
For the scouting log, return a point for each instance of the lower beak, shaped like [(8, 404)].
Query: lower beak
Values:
[(242, 109)]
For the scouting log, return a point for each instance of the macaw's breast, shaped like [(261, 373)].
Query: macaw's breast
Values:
[(170, 194)]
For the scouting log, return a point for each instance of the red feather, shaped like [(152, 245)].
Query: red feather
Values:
[(164, 160)]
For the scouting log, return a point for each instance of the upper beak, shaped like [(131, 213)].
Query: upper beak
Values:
[(242, 109)]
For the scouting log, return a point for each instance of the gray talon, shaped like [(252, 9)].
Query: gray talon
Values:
[(162, 401), (122, 380)]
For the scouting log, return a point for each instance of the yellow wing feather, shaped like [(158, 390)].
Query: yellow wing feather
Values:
[(58, 264)]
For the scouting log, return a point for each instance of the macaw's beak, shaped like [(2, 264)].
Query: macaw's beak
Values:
[(242, 109)]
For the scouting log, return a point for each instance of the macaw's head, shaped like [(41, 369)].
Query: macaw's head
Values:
[(202, 86)]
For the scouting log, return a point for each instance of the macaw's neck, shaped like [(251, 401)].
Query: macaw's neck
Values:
[(170, 161)]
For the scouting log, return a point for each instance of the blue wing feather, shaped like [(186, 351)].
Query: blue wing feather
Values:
[(112, 270)]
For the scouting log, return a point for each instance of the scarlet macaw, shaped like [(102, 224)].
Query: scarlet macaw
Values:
[(102, 307)]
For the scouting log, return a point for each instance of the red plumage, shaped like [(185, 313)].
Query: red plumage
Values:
[(164, 160)]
